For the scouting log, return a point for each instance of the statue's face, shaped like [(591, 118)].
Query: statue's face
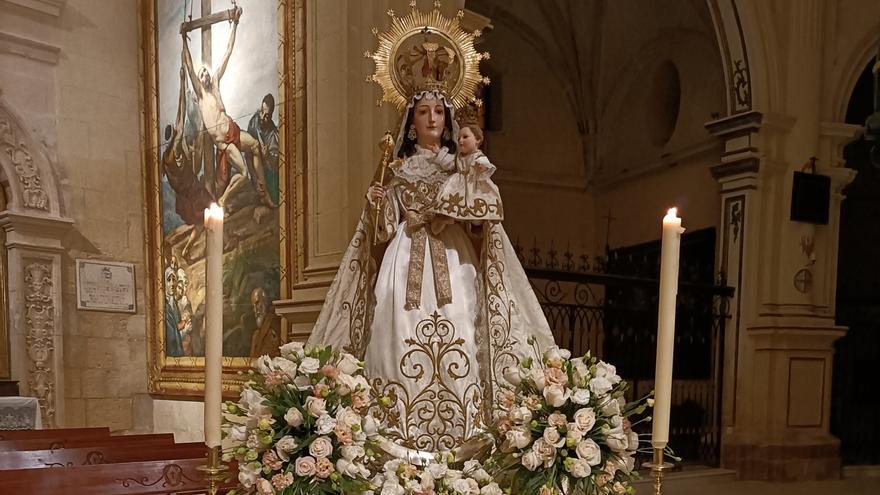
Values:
[(467, 141), (429, 118)]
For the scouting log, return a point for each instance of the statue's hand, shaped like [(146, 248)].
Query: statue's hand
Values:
[(375, 193), (236, 15)]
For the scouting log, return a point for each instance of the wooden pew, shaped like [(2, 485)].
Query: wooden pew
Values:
[(128, 478), (61, 432), (55, 443), (99, 454)]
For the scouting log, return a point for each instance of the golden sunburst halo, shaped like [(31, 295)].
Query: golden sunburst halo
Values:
[(427, 51)]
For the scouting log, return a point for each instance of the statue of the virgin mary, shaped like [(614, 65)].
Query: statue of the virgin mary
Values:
[(431, 295)]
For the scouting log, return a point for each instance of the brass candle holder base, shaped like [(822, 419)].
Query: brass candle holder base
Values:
[(658, 467), (215, 471)]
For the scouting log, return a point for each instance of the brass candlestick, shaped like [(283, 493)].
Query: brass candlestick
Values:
[(215, 471), (658, 467)]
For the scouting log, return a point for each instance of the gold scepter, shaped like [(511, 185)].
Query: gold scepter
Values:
[(387, 145)]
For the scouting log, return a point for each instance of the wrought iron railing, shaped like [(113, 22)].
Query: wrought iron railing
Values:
[(608, 305)]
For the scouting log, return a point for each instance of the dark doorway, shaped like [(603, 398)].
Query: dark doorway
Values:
[(855, 393)]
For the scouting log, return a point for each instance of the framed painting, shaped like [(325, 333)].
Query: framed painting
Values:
[(220, 106)]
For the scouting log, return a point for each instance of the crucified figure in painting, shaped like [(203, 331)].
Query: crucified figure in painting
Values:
[(227, 136)]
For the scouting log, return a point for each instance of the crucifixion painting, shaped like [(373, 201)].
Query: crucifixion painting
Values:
[(218, 127)]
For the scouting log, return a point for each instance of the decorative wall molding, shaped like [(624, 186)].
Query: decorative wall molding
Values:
[(28, 48), (18, 159), (50, 7), (40, 341)]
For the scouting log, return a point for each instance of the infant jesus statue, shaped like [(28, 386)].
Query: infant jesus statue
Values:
[(469, 194)]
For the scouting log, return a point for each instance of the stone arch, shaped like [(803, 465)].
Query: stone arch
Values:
[(34, 228), (851, 69), (747, 56), (25, 171)]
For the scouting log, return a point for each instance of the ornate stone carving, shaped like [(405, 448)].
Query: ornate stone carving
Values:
[(40, 323), (15, 148)]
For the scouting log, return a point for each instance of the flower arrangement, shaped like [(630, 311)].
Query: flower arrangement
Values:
[(438, 478), (564, 426), (300, 425)]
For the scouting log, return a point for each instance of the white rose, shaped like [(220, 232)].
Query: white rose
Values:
[(581, 396), (546, 451), (293, 417), (600, 385), (321, 447), (555, 354), (248, 473), (512, 376), (607, 371), (585, 418), (371, 428), (520, 415), (352, 452), (437, 470), (575, 433), (348, 468), (611, 407), (348, 417), (616, 439), (551, 435), (286, 366), (293, 350), (283, 446), (252, 402), (519, 437), (238, 433), (302, 383), (315, 406), (579, 468), (589, 451), (556, 395), (491, 489), (348, 364), (632, 441), (462, 486), (304, 466), (531, 460), (391, 487), (324, 424), (309, 365), (537, 376), (263, 364)]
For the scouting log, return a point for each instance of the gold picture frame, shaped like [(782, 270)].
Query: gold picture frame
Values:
[(173, 374)]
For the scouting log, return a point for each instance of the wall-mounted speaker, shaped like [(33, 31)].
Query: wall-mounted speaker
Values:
[(810, 198)]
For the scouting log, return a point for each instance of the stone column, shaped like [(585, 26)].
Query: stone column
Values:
[(779, 344), (33, 244)]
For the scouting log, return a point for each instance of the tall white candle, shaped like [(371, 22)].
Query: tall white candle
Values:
[(214, 322), (669, 258)]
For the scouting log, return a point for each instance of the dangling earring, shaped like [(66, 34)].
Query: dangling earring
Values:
[(446, 135), (411, 135)]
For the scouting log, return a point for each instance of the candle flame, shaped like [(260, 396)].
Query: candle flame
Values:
[(214, 212), (671, 214)]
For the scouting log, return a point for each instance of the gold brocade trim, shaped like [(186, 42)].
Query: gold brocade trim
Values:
[(358, 308), (430, 415), (500, 311), (416, 269), (455, 206)]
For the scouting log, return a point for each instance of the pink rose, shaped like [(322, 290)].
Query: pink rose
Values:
[(305, 466), (329, 371), (323, 468), (555, 376), (282, 481), (271, 460)]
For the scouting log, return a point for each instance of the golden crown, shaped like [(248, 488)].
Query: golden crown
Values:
[(427, 51)]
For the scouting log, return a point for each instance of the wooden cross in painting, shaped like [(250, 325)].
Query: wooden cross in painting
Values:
[(204, 23)]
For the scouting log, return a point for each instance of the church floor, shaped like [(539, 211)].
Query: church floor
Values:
[(857, 481)]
